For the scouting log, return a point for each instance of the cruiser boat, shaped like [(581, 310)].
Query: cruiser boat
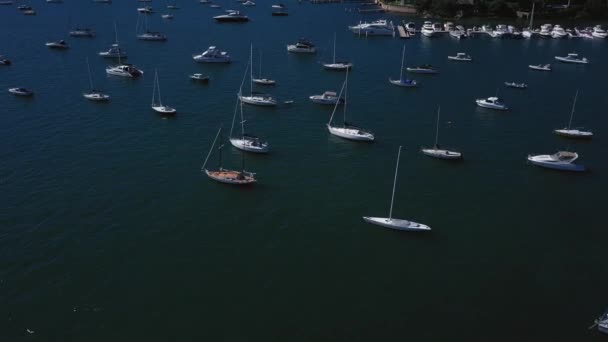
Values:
[(152, 36), (231, 16), (24, 8), (199, 78), (562, 160), (4, 61), (327, 98), (114, 52), (410, 28), (302, 46), (437, 27), (540, 67), (423, 69), (145, 10), (20, 91), (599, 32), (124, 70), (501, 30), (585, 33), (84, 32), (461, 57), (427, 29), (558, 32), (516, 85), (570, 132), (545, 31), (212, 55), (572, 58), (492, 103), (57, 45), (376, 28), (279, 10)]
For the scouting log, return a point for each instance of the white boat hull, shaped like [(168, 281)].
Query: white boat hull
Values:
[(573, 133), (483, 104), (322, 100), (263, 81), (97, 97), (230, 177), (441, 154), (249, 146), (399, 83), (350, 133), (338, 66), (295, 49), (422, 71), (574, 61), (542, 162), (397, 224), (259, 101), (164, 110)]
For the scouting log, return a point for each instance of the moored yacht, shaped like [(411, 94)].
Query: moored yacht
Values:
[(124, 70), (212, 55), (599, 32), (4, 60), (545, 30), (558, 32), (57, 45), (114, 52), (231, 16), (492, 103), (337, 65), (410, 27), (376, 28), (570, 132), (19, 91), (347, 130), (327, 98), (423, 69), (92, 94), (302, 46), (562, 160), (427, 29), (516, 85), (500, 31), (572, 58), (461, 57), (540, 67), (145, 10), (279, 10), (152, 36), (82, 32)]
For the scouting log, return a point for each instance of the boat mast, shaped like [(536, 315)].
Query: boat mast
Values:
[(242, 125), (251, 70), (260, 64), (90, 77), (437, 127), (236, 106), (160, 102), (532, 16), (154, 88), (336, 105), (345, 93), (572, 111), (117, 44), (334, 62), (402, 60), (390, 213), (211, 149)]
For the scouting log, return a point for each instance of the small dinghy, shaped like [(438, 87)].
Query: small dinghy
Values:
[(516, 85), (540, 67), (492, 103), (390, 222), (20, 91), (562, 160), (167, 16), (436, 151)]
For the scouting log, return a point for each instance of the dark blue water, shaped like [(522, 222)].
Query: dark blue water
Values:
[(109, 232)]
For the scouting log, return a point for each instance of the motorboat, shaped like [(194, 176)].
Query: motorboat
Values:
[(500, 31), (152, 36), (390, 222), (262, 100), (4, 60), (492, 103), (20, 91), (586, 33), (461, 57), (448, 26), (302, 46), (158, 106), (167, 16), (402, 81), (545, 30), (438, 28), (514, 33), (410, 27), (436, 151), (114, 52), (215, 6), (24, 8), (427, 29), (347, 130), (212, 55), (562, 160), (602, 323), (572, 58), (248, 3), (540, 67), (82, 32), (573, 34), (145, 10), (124, 70), (231, 16), (279, 10), (61, 45), (327, 98), (173, 7), (516, 85), (423, 69), (527, 32), (337, 65), (224, 175), (558, 32), (458, 34), (599, 32), (375, 28), (570, 132), (199, 78)]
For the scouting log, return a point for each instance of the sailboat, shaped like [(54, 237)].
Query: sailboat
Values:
[(337, 66), (347, 131), (527, 33), (573, 133), (115, 51), (256, 99), (147, 34), (390, 222), (125, 70), (94, 95), (228, 176), (403, 82), (260, 80), (159, 107), (438, 152)]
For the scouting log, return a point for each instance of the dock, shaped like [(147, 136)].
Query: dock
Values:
[(403, 34)]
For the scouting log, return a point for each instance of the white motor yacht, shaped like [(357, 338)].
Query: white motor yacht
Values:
[(558, 32), (427, 29), (540, 67), (438, 28), (145, 10), (327, 98), (124, 70), (410, 28), (302, 46), (19, 91), (212, 55), (572, 58), (423, 69), (500, 31), (492, 103), (262, 100), (199, 78), (152, 36), (461, 57), (545, 30), (62, 45), (231, 16), (114, 52), (599, 32), (561, 160), (376, 28)]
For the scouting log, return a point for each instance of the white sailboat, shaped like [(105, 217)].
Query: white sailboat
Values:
[(124, 70), (436, 151), (246, 142), (390, 222), (159, 107), (573, 133), (337, 66), (256, 99), (260, 80), (227, 176), (527, 33), (403, 82), (92, 94), (347, 131)]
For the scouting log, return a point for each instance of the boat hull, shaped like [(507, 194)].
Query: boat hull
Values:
[(164, 110), (397, 224), (490, 105), (231, 177), (556, 166), (263, 81), (249, 146), (573, 61), (400, 83), (294, 49), (257, 101), (573, 133), (96, 97), (441, 154), (350, 133)]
